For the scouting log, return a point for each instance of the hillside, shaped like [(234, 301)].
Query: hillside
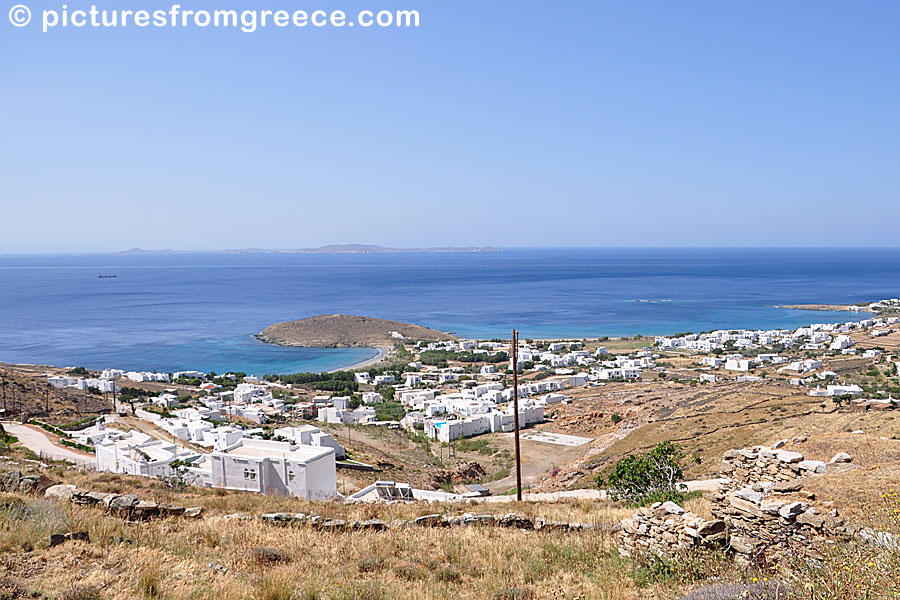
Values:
[(24, 393), (342, 331)]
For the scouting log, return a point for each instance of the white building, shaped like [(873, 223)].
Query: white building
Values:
[(270, 467), (310, 435), (840, 342), (138, 454)]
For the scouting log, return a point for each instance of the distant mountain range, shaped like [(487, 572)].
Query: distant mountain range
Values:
[(331, 249)]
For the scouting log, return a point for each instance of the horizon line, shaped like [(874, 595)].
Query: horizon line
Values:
[(430, 250)]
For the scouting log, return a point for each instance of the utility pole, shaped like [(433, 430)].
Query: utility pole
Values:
[(515, 366)]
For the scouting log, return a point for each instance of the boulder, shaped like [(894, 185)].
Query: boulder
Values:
[(61, 492), (34, 484), (434, 520), (813, 466), (123, 505), (840, 457), (195, 512), (145, 509)]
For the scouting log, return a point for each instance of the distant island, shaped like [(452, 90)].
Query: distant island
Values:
[(830, 307), (330, 249), (346, 331)]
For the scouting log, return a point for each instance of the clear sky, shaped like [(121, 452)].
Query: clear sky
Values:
[(506, 123)]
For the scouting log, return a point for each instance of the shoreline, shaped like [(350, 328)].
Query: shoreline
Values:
[(851, 308), (383, 353)]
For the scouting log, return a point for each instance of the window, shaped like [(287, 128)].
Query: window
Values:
[(290, 475), (249, 474)]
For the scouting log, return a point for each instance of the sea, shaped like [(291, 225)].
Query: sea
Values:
[(182, 311)]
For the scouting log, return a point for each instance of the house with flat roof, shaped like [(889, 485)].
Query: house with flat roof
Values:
[(270, 467)]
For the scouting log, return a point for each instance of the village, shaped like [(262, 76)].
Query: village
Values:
[(278, 435)]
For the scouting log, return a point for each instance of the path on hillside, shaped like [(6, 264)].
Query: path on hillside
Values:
[(41, 444)]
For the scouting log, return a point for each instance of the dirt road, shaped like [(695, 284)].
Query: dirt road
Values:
[(43, 445)]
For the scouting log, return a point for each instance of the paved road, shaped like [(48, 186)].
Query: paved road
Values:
[(38, 442)]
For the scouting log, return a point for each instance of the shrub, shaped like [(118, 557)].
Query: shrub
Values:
[(268, 556), (370, 564), (647, 478)]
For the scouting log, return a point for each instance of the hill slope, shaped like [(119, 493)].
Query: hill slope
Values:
[(342, 331)]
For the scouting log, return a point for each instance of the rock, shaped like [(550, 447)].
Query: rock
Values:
[(787, 487), (10, 481), (742, 545), (840, 457), (80, 536), (786, 456), (434, 520), (194, 512), (799, 439), (516, 521), (882, 539), (763, 590), (60, 492), (171, 510), (779, 444), (281, 517), (814, 466), (790, 511), (58, 538), (711, 528), (372, 524), (34, 484), (810, 518), (749, 495), (672, 508), (123, 504), (145, 509), (746, 506)]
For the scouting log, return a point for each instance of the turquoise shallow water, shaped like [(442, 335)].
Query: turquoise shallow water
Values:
[(199, 311)]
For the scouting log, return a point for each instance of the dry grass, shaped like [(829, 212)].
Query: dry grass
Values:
[(218, 558)]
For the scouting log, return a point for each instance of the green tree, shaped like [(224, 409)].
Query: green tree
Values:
[(647, 478)]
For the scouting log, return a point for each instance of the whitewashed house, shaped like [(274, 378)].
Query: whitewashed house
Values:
[(270, 467)]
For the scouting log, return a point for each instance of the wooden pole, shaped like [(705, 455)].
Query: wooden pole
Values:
[(515, 366)]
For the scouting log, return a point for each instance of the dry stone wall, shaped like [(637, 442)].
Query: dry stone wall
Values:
[(665, 528), (761, 512)]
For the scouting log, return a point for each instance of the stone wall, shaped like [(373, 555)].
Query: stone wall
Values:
[(748, 466), (768, 514), (762, 513), (666, 528)]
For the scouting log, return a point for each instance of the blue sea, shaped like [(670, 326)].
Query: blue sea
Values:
[(199, 311)]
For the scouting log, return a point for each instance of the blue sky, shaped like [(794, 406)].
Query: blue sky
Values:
[(495, 123)]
